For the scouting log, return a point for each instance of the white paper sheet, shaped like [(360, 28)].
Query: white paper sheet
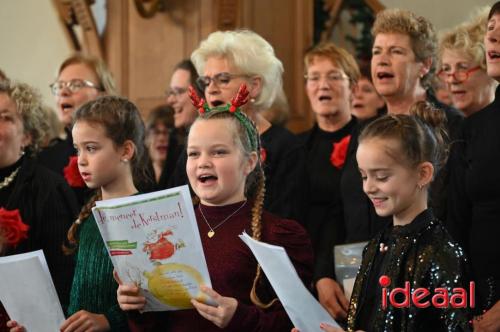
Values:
[(304, 311), (28, 293)]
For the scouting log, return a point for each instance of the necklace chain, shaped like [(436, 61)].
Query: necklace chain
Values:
[(211, 233), (8, 180)]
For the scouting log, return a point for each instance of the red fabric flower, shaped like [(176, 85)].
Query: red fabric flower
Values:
[(72, 174), (12, 228), (263, 155), (339, 152)]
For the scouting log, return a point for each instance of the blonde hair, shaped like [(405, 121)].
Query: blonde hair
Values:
[(467, 38), (250, 54), (255, 187), (29, 106), (104, 76), (337, 56), (421, 32)]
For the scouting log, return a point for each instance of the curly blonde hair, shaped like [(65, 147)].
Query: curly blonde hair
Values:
[(29, 106), (422, 35), (467, 38)]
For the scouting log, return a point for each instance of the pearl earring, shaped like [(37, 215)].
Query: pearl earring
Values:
[(125, 160)]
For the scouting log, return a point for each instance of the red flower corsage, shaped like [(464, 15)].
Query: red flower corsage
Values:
[(263, 155), (72, 174), (12, 228), (339, 152)]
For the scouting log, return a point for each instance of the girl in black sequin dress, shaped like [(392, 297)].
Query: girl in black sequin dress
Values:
[(398, 156)]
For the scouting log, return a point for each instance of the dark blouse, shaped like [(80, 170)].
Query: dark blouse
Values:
[(284, 168), (232, 268), (423, 254), (49, 207), (475, 199), (360, 218), (325, 228)]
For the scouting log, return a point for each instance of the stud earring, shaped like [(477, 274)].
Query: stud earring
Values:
[(125, 160), (252, 100)]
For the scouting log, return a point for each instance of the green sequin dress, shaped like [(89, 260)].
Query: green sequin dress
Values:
[(94, 288)]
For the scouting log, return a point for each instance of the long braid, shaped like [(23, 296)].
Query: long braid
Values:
[(70, 248), (256, 226)]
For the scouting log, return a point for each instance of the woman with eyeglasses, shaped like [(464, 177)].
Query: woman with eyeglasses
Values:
[(162, 143), (331, 75), (474, 189), (463, 66), (177, 95), (37, 207)]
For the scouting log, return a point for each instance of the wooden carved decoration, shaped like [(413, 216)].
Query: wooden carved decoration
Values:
[(77, 13)]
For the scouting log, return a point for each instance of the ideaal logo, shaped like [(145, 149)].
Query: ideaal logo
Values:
[(440, 298)]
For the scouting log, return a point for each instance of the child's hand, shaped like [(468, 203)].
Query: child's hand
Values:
[(85, 321), (128, 296), (220, 315), (332, 298), (15, 327)]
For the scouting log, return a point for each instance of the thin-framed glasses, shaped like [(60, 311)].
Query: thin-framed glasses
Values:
[(460, 74), (220, 79), (176, 92), (73, 86), (332, 78)]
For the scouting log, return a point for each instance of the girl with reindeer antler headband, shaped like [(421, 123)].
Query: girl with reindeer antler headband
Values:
[(224, 61), (225, 171)]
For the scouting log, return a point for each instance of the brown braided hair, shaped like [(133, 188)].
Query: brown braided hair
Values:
[(255, 184), (70, 248)]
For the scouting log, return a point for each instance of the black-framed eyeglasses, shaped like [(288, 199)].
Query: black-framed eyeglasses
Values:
[(176, 92), (460, 74), (73, 86), (220, 79)]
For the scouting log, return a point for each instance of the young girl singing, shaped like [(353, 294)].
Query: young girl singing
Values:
[(108, 135), (225, 172), (398, 156)]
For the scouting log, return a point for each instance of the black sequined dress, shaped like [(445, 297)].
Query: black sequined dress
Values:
[(422, 253)]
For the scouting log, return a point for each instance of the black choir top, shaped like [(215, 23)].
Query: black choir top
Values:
[(474, 203), (325, 228)]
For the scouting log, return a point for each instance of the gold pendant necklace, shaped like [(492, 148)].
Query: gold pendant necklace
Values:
[(8, 180), (211, 232)]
